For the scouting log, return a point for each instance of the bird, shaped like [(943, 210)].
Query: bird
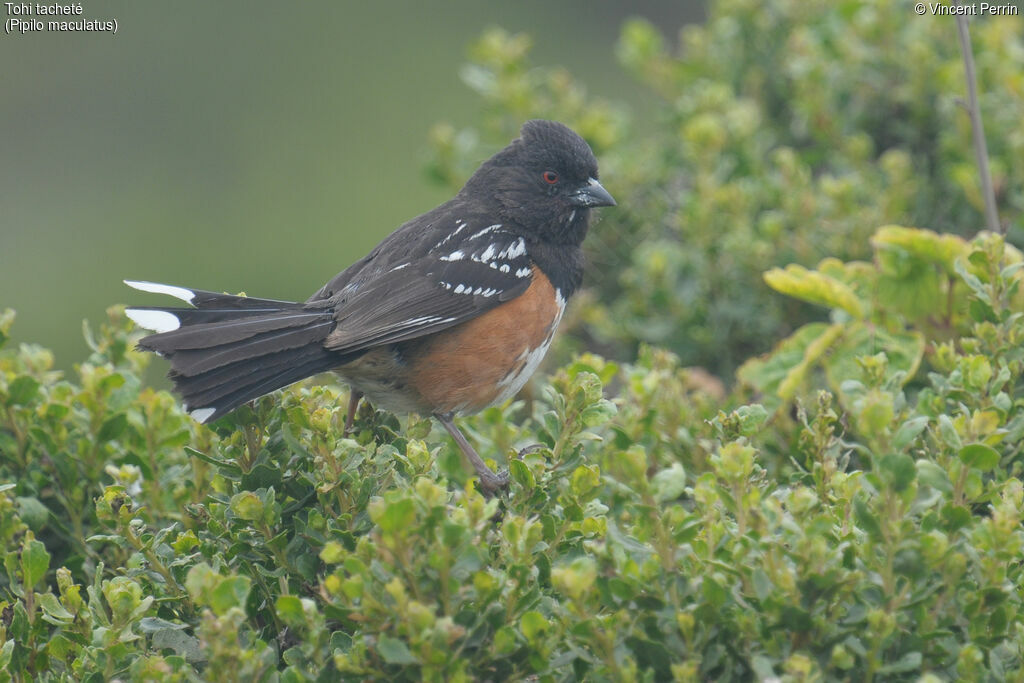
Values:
[(449, 314)]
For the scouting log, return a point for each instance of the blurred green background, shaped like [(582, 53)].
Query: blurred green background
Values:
[(257, 146)]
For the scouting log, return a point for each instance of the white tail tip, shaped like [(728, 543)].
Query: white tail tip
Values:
[(157, 321), (185, 295), (201, 415)]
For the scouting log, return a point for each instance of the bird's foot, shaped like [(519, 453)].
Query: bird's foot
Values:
[(492, 483)]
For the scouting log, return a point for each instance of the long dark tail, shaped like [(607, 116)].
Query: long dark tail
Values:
[(227, 350)]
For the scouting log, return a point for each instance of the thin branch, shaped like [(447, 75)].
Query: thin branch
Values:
[(978, 130)]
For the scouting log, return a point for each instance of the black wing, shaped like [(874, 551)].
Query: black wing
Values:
[(469, 271)]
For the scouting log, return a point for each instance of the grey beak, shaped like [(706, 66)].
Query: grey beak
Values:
[(592, 194)]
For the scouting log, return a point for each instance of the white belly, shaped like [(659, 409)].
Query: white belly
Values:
[(528, 362)]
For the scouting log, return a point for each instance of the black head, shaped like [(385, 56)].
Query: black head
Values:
[(545, 182)]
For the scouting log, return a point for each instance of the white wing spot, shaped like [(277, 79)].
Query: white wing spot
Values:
[(514, 250), (454, 256), (425, 320), (459, 225), (398, 267), (489, 229), (523, 272), (504, 268), (460, 289), (488, 254)]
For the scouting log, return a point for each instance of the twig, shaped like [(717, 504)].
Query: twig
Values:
[(977, 128)]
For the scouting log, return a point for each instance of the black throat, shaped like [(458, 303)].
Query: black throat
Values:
[(562, 263)]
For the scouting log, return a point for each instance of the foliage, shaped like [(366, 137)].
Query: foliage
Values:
[(880, 308), (852, 510), (783, 133), (651, 535)]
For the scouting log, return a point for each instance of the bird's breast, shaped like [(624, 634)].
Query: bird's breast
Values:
[(488, 359)]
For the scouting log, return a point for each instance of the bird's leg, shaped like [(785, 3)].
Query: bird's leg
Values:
[(489, 481), (353, 404)]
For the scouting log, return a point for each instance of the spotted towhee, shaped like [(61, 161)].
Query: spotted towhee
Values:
[(449, 314)]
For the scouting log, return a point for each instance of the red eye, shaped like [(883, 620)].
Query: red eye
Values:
[(550, 177)]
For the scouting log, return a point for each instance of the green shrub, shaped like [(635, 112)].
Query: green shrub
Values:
[(782, 133), (851, 510), (874, 531)]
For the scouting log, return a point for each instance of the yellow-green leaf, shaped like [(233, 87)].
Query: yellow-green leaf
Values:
[(778, 374), (979, 455), (814, 287), (903, 351), (928, 246)]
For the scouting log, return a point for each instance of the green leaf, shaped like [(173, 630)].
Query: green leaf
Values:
[(32, 512), (762, 584), (903, 352), (913, 267), (930, 474), (652, 654), (532, 624), (909, 431), (598, 413), (289, 608), (917, 292), (262, 476), (34, 563), (22, 390), (955, 517), (228, 467), (112, 428), (52, 608), (979, 455), (154, 624), (394, 651), (911, 661), (576, 578), (333, 552), (947, 430), (247, 505), (452, 534), (781, 373), (751, 418), (6, 652), (398, 516), (6, 321), (714, 592), (231, 591), (898, 470), (815, 287), (181, 643), (669, 483), (762, 667), (521, 474), (925, 245), (866, 518), (976, 286), (585, 479)]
